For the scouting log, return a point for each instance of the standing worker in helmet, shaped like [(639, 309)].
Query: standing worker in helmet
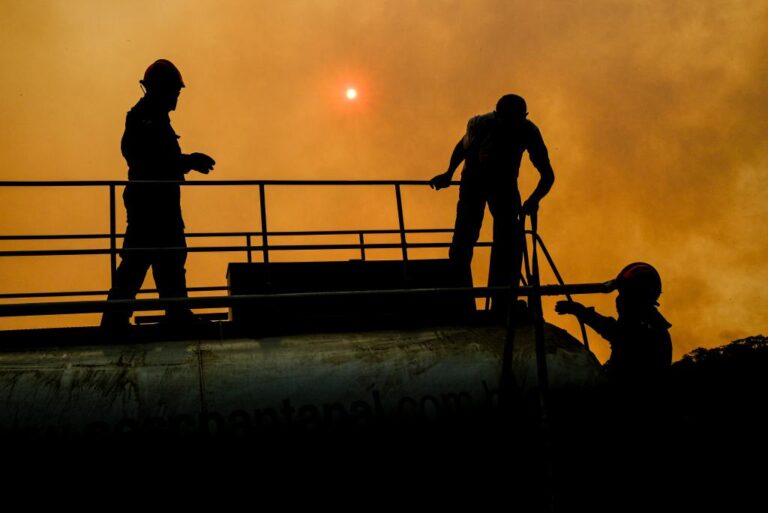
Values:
[(492, 149), (151, 149), (641, 348)]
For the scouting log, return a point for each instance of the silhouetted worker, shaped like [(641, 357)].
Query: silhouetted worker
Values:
[(151, 148), (492, 150), (641, 348)]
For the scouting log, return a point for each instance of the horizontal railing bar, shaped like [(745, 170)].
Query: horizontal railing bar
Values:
[(76, 293), (230, 234), (234, 234), (224, 249), (102, 183), (321, 232), (80, 307), (74, 236)]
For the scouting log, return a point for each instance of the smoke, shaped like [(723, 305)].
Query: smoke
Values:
[(654, 113)]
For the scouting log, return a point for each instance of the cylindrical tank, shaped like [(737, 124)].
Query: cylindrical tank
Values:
[(305, 381)]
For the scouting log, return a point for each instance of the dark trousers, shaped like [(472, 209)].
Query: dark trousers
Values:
[(503, 200), (167, 269)]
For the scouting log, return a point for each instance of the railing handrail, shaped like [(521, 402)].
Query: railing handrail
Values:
[(265, 247), (68, 293), (83, 293), (249, 248), (232, 249), (102, 183), (78, 307), (297, 233)]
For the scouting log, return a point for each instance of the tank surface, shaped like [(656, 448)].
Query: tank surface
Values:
[(306, 381)]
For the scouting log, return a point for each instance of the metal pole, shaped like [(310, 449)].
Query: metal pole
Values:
[(526, 260), (541, 367), (561, 282), (112, 238), (508, 384), (263, 205), (248, 245), (401, 222), (541, 361), (361, 235), (68, 307)]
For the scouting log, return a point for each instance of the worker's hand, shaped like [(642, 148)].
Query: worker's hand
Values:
[(530, 207), (200, 162), (441, 181), (569, 307)]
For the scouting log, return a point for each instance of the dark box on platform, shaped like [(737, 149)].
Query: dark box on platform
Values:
[(356, 311)]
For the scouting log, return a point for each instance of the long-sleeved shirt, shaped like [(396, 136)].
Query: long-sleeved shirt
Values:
[(641, 347), (152, 151)]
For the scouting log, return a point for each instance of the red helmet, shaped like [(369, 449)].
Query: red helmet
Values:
[(639, 280), (162, 74)]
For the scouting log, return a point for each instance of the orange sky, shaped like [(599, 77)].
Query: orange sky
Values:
[(654, 112)]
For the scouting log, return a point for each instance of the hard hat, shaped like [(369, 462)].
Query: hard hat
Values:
[(640, 280), (162, 74)]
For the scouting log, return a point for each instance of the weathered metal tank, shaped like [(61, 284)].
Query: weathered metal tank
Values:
[(233, 384)]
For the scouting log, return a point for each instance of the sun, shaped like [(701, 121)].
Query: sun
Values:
[(351, 93)]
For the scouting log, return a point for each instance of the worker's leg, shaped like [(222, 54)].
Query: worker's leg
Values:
[(129, 276), (469, 218), (170, 275), (508, 240)]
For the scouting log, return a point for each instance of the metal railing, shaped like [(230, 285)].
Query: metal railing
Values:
[(249, 248)]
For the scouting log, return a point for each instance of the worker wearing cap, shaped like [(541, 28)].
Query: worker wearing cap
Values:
[(640, 343), (151, 149)]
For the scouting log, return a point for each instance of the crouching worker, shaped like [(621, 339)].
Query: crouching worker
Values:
[(641, 348)]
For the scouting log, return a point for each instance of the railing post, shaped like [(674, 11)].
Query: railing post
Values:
[(561, 282), (526, 261), (401, 222), (248, 246), (264, 240), (362, 246), (112, 237), (541, 354)]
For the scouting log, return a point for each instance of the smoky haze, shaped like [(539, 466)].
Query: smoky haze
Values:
[(654, 113)]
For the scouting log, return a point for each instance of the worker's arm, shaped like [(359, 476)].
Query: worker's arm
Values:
[(537, 152), (151, 149), (605, 326), (198, 162), (444, 179)]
